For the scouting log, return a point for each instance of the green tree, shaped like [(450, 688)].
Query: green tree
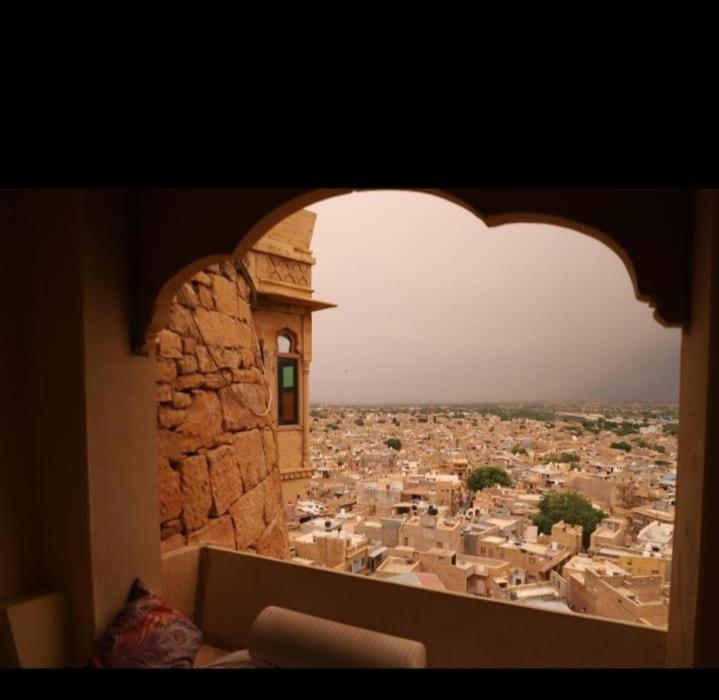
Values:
[(570, 507), (479, 479), (518, 450), (394, 443), (359, 422), (621, 446)]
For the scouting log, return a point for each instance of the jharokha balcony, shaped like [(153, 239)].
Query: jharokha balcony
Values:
[(177, 375), (223, 592)]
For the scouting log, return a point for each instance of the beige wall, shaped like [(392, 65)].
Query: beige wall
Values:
[(596, 596), (329, 551), (580, 597), (20, 526), (290, 442), (609, 604), (617, 538), (694, 609), (453, 578), (43, 462), (119, 394), (78, 459), (643, 566), (592, 487), (567, 537), (236, 587), (422, 538)]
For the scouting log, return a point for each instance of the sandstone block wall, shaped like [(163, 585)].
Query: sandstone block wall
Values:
[(219, 480)]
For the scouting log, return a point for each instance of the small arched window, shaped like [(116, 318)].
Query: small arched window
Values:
[(287, 382), (284, 343)]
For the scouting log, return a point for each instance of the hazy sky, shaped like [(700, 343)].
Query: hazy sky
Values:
[(435, 307)]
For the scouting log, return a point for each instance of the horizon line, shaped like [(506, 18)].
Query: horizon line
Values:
[(499, 403)]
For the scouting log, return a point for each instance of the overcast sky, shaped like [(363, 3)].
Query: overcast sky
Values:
[(435, 307)]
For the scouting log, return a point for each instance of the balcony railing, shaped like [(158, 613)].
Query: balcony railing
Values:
[(224, 591)]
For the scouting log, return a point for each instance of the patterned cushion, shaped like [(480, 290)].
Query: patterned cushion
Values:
[(148, 633)]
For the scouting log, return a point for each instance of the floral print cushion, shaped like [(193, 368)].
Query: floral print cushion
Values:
[(148, 633)]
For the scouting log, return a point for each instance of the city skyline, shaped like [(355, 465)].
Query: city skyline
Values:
[(468, 314)]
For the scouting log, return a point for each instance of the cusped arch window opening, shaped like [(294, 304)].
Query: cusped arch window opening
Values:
[(528, 368), (285, 343)]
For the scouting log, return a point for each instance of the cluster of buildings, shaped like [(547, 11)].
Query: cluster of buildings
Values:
[(407, 515)]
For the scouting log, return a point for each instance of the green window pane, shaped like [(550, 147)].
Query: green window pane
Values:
[(288, 377)]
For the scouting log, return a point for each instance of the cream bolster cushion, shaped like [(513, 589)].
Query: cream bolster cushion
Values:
[(281, 638)]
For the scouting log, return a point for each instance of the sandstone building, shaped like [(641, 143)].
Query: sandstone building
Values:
[(280, 265), (232, 372)]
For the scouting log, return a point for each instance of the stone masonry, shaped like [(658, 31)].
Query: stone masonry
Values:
[(219, 480)]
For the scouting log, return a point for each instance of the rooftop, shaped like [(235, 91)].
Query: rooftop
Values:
[(419, 579), (580, 564), (522, 592), (493, 539), (657, 533), (397, 565), (555, 604)]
